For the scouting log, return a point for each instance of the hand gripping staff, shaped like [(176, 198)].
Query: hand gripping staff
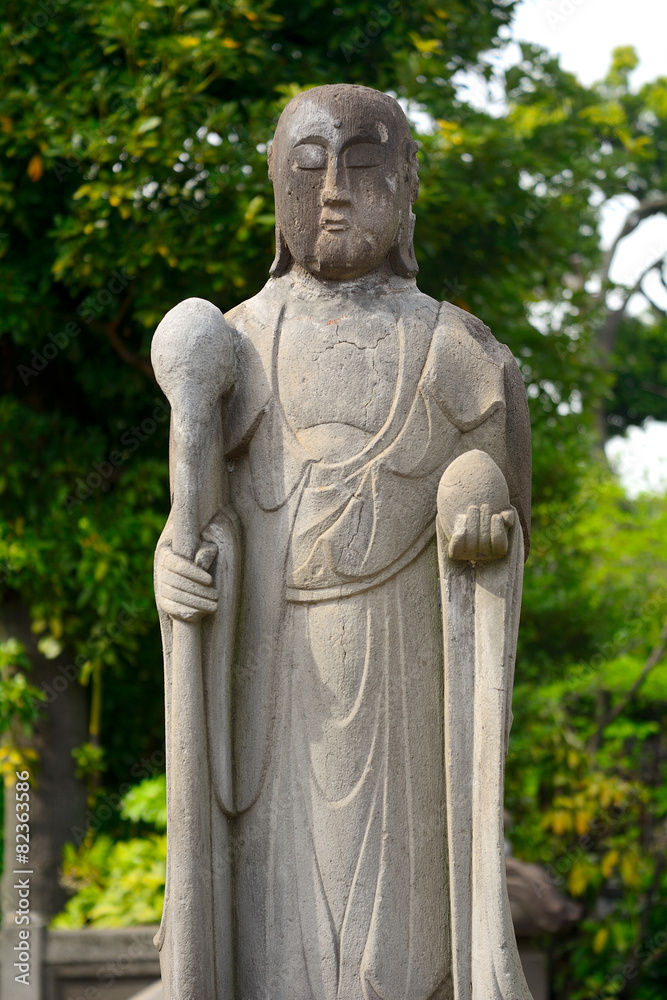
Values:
[(193, 359)]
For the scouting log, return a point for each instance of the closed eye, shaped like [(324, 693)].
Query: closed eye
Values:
[(310, 156), (364, 154)]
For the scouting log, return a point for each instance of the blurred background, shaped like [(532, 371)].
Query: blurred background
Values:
[(133, 138)]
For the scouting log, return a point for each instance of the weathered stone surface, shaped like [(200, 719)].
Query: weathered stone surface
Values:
[(344, 730)]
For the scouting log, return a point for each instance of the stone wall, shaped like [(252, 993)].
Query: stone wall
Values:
[(88, 964)]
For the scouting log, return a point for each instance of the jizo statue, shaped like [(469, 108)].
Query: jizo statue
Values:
[(339, 587)]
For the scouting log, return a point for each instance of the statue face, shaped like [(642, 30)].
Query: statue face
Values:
[(339, 166)]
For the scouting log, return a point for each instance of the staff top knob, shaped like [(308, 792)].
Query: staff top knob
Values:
[(193, 356)]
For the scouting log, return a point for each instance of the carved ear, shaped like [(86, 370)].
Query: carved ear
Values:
[(269, 157), (402, 255), (413, 170), (283, 257)]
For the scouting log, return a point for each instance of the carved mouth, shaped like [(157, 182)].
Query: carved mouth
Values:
[(334, 223)]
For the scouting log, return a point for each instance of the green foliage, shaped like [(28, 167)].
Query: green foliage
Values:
[(640, 370), (587, 769), (19, 708), (132, 175), (19, 701), (89, 759), (147, 802), (149, 82), (118, 883), (84, 567)]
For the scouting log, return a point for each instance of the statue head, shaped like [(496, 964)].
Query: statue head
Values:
[(344, 172)]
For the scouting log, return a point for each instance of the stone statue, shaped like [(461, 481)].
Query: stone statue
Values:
[(339, 587)]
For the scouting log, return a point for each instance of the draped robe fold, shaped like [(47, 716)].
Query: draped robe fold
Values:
[(336, 833)]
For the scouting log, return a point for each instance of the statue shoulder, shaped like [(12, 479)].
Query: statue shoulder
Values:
[(465, 350), (253, 325), (465, 368), (251, 320), (457, 328), (472, 376)]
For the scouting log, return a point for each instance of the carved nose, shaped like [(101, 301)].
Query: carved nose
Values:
[(332, 194), (336, 191)]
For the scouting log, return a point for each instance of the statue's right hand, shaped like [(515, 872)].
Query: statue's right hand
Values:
[(183, 587)]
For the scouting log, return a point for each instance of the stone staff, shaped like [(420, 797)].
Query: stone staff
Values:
[(481, 573), (193, 359)]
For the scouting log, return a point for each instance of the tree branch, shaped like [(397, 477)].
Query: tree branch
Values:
[(656, 655), (659, 266), (122, 309), (141, 363), (663, 277), (654, 304), (606, 336), (646, 208), (657, 390), (110, 331)]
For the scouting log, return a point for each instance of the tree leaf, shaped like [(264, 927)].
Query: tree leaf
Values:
[(148, 124)]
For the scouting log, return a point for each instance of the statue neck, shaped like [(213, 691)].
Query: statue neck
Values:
[(382, 280)]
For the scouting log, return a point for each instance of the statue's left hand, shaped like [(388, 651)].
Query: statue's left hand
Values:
[(185, 589), (480, 534)]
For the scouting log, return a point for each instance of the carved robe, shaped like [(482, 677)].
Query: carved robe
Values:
[(332, 784)]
